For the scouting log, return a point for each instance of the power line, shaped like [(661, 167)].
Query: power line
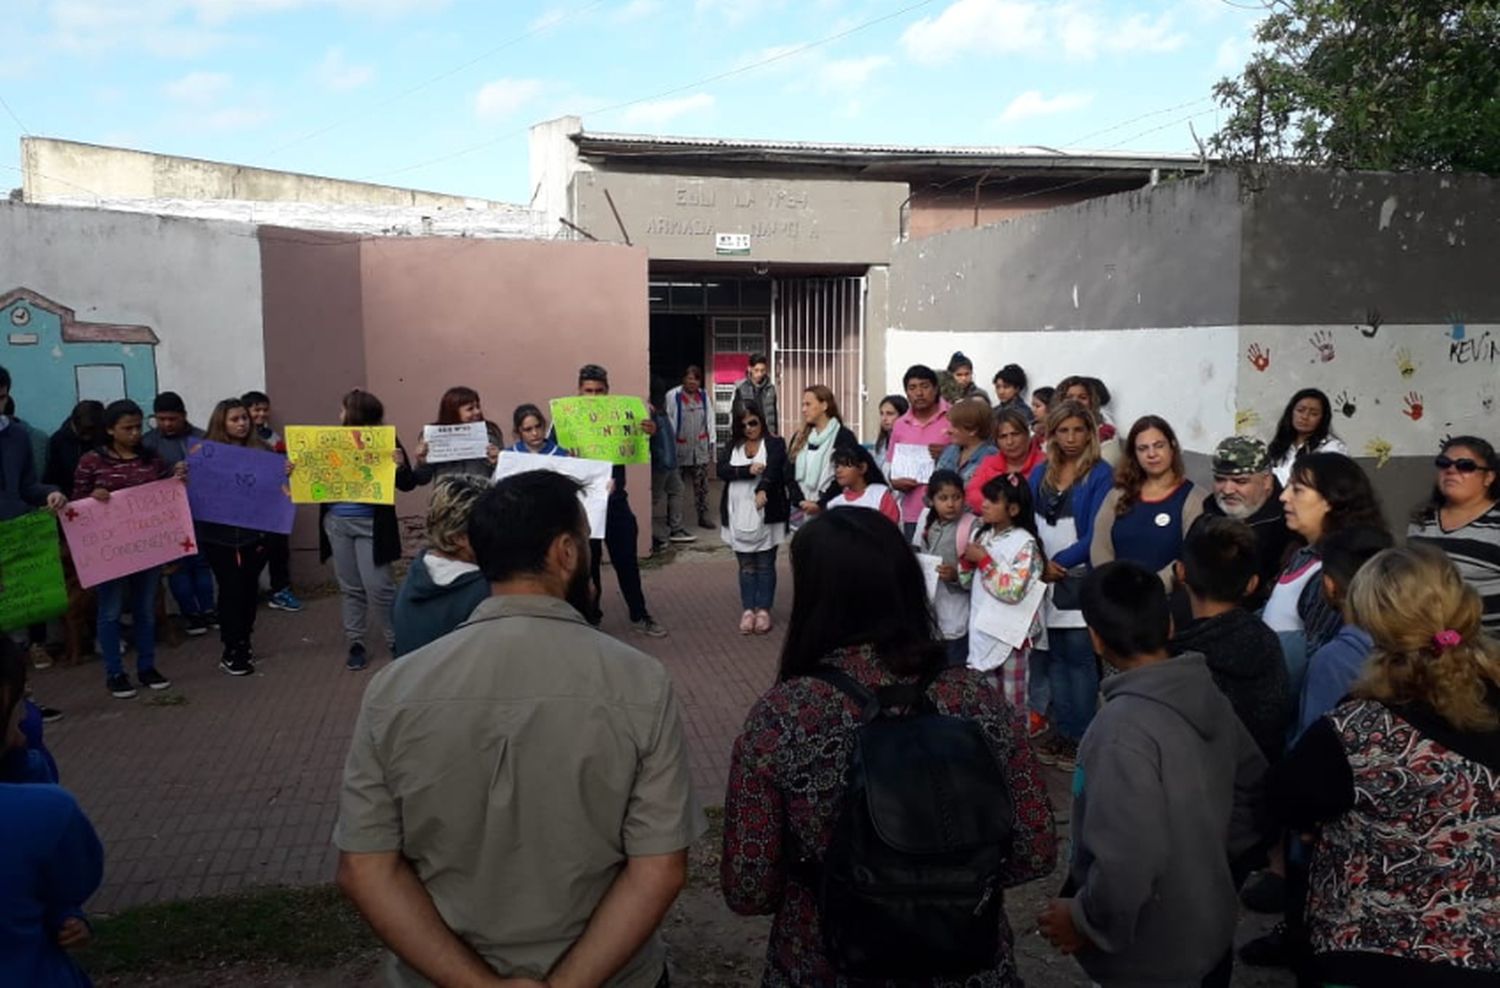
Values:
[(1136, 119), (709, 80), (12, 114), (543, 25)]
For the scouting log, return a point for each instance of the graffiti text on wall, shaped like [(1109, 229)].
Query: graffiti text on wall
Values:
[(1482, 349)]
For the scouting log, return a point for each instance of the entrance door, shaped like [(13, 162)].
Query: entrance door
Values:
[(818, 337)]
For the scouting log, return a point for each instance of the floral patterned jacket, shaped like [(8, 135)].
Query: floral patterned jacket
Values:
[(787, 776)]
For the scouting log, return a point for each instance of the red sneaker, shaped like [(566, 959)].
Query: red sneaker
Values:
[(1035, 723)]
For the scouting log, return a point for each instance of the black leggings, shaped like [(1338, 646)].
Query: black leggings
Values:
[(237, 571), (619, 538)]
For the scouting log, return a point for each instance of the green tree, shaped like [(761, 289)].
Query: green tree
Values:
[(1399, 85)]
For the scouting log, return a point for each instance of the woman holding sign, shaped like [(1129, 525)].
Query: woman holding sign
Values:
[(532, 435), (236, 555), (460, 407), (120, 463)]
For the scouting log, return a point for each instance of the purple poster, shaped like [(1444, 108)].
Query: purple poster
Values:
[(233, 485)]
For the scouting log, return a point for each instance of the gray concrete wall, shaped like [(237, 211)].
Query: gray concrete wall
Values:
[(1163, 256), (57, 170), (1329, 247)]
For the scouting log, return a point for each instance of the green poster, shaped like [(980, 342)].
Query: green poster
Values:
[(603, 427), (31, 574)]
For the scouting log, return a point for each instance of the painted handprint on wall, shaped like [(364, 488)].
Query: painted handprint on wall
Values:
[(1245, 420), (1345, 404), (1322, 344), (1260, 357), (1405, 365), (1380, 449), (1412, 406)]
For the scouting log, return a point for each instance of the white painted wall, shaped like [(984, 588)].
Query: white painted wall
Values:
[(195, 282), (1184, 375)]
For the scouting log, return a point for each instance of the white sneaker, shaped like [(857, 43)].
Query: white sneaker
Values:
[(681, 535)]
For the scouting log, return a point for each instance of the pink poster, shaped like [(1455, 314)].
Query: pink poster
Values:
[(729, 368), (137, 528)]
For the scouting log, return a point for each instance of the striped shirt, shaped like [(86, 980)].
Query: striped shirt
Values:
[(1475, 551)]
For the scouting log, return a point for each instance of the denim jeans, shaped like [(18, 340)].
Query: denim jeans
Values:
[(757, 579), (1038, 681), (1074, 675), (958, 652), (192, 585), (140, 590)]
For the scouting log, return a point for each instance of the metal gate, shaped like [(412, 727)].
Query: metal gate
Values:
[(818, 337)]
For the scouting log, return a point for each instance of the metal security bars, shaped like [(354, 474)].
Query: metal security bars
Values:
[(818, 337)]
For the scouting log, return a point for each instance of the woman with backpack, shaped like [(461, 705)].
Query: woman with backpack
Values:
[(799, 823)]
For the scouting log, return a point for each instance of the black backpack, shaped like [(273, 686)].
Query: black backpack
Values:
[(910, 886)]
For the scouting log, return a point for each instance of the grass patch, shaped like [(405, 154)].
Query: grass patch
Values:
[(308, 928)]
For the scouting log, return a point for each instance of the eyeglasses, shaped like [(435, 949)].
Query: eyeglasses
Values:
[(750, 422), (1463, 464)]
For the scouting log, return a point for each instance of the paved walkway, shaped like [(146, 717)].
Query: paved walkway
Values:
[(223, 783)]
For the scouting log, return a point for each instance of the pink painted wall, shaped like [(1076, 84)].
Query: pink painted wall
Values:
[(512, 319)]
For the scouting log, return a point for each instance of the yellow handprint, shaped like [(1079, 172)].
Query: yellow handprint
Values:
[(1380, 449), (1404, 363), (1245, 420)]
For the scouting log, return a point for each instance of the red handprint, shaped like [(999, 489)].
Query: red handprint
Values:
[(1260, 357), (1413, 409)]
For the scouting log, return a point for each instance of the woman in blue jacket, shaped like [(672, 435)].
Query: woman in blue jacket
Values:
[(532, 435), (51, 863), (1068, 490)]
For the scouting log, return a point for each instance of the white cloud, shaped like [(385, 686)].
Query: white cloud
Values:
[(1080, 30), (503, 97), (233, 118), (1232, 55), (336, 72), (636, 10), (1033, 104), (663, 111), (851, 73), (198, 88)]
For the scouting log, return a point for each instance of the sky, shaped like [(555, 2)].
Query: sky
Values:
[(438, 94)]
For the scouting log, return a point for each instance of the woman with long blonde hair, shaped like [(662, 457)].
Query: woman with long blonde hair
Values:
[(1067, 490), (1403, 773)]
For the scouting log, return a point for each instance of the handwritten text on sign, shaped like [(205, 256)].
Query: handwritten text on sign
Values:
[(465, 441), (342, 464), (233, 485), (31, 574), (137, 528), (603, 427)]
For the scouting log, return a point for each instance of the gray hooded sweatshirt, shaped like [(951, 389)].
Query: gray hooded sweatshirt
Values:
[(1167, 790)]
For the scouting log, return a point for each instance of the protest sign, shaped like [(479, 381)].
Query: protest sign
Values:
[(235, 485), (137, 528), (465, 441), (342, 463), (31, 573), (593, 474), (603, 427), (911, 461)]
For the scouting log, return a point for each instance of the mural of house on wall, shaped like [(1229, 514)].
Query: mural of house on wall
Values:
[(56, 361)]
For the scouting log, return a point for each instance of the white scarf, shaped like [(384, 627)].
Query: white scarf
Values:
[(812, 460)]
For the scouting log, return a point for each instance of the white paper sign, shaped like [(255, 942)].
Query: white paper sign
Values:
[(1008, 623), (466, 441), (593, 474), (911, 461), (930, 566)]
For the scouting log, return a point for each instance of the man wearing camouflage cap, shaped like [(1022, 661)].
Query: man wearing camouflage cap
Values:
[(1245, 489)]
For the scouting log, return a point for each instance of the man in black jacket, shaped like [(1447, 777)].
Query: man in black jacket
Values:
[(1245, 489)]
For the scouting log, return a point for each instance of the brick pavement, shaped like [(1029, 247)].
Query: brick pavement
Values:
[(223, 783)]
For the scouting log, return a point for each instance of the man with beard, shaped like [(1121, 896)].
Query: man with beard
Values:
[(1245, 489), (516, 804)]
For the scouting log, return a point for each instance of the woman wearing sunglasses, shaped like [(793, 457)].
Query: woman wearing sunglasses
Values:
[(1462, 518), (753, 510)]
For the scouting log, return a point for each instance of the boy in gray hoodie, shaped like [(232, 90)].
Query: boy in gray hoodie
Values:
[(1167, 791)]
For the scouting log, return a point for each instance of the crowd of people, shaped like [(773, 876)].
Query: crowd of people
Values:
[(1259, 694)]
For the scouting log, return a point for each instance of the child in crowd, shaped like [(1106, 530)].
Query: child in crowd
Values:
[(444, 584), (1244, 656), (53, 860), (459, 406), (278, 546), (940, 530), (1334, 668), (363, 540), (861, 484), (957, 382), (1007, 560), (1164, 796), (532, 435), (190, 579), (1041, 403), (120, 463), (235, 554), (892, 407), (1010, 390)]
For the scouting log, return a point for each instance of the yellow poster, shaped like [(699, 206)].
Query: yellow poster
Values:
[(338, 463)]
